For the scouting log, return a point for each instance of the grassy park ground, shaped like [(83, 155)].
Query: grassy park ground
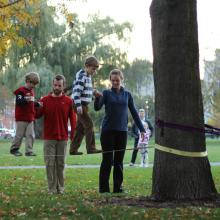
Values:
[(23, 192)]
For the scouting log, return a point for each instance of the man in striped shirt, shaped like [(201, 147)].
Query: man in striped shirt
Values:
[(82, 95)]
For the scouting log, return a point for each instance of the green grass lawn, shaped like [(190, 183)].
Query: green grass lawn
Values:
[(23, 192), (6, 159), (23, 195)]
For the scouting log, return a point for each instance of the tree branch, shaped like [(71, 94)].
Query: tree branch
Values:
[(9, 4)]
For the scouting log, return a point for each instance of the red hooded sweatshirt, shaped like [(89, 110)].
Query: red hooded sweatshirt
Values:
[(25, 112)]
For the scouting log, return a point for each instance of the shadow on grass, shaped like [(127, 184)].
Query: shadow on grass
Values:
[(149, 202)]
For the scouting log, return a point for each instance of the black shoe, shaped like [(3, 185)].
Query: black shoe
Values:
[(16, 153), (120, 190), (94, 151), (103, 191), (30, 154), (76, 153)]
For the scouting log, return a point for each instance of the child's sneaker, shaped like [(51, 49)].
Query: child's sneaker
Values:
[(145, 164), (142, 165)]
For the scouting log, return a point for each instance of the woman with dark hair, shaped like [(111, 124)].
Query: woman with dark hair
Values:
[(113, 138)]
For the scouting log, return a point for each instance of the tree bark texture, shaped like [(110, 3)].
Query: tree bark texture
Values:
[(178, 99)]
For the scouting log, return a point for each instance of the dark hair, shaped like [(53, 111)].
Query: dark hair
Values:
[(60, 77), (91, 61), (32, 77), (116, 72)]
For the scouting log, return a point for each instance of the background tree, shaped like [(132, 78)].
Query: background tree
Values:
[(85, 38), (15, 14), (139, 77), (178, 100), (57, 47), (211, 90), (139, 81)]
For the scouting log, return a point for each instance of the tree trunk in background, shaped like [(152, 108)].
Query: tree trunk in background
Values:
[(178, 99)]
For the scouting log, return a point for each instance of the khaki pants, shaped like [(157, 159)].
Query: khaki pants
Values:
[(84, 127), (24, 129), (54, 157)]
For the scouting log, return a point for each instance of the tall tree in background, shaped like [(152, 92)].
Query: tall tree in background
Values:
[(211, 90), (139, 77), (15, 14), (53, 47), (64, 49), (178, 100), (41, 36), (91, 37)]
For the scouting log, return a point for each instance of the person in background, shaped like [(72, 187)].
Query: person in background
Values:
[(56, 109), (142, 145), (135, 134), (25, 115), (82, 95), (113, 138)]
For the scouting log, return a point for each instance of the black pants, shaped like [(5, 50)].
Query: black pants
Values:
[(112, 140), (135, 151)]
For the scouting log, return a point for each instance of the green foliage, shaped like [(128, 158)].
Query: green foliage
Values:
[(39, 38), (139, 81), (4, 98), (138, 75), (54, 48), (44, 70), (92, 37), (210, 89), (14, 15)]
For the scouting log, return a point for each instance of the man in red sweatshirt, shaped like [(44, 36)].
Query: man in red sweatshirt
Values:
[(56, 109), (25, 115)]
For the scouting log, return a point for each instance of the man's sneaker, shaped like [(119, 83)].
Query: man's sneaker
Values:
[(30, 154), (76, 153), (131, 164), (16, 153), (94, 151)]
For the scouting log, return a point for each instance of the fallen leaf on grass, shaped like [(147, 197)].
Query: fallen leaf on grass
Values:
[(2, 213), (73, 210), (6, 199), (135, 213), (22, 214)]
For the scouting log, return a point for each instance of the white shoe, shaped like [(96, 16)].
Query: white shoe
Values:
[(141, 165), (145, 164)]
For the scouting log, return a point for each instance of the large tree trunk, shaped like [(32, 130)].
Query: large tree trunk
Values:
[(178, 99)]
